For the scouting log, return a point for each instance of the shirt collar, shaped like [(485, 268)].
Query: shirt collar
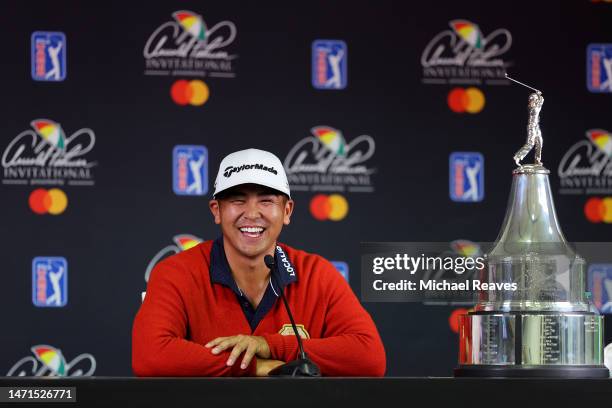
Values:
[(286, 271), (220, 271)]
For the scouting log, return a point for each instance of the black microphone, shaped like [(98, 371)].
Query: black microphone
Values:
[(303, 366)]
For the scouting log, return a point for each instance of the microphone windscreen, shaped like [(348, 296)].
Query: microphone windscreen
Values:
[(269, 260)]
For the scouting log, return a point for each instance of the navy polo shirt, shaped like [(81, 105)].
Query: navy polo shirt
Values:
[(220, 274)]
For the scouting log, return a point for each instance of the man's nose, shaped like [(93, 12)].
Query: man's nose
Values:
[(252, 209)]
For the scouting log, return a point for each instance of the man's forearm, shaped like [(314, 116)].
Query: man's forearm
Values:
[(180, 357), (342, 355)]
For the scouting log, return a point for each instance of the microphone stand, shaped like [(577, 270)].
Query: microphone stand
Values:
[(302, 366)]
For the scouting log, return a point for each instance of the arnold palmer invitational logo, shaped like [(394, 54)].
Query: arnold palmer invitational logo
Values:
[(586, 168), (182, 242), (325, 161), (464, 55), (45, 155), (49, 361), (187, 46)]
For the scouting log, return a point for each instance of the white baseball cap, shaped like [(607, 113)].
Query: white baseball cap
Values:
[(251, 166)]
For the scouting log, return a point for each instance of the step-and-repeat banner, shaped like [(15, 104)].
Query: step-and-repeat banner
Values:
[(394, 122)]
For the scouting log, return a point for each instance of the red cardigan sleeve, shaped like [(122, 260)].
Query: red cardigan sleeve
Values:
[(350, 345), (159, 347)]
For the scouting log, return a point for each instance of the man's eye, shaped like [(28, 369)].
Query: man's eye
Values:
[(237, 201)]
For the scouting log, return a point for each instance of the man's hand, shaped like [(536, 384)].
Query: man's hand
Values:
[(250, 345), (265, 366)]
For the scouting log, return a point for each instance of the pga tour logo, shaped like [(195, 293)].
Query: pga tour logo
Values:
[(190, 170), (343, 268), (466, 180), (49, 281), (599, 68), (600, 286), (329, 66), (48, 52)]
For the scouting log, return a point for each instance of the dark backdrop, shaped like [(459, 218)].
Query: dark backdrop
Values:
[(110, 231)]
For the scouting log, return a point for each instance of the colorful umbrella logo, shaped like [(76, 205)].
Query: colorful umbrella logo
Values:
[(191, 23), (52, 358), (185, 241), (601, 139), (468, 32), (465, 248), (50, 131), (331, 138)]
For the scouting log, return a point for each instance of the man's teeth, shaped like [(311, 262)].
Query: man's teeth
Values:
[(252, 230)]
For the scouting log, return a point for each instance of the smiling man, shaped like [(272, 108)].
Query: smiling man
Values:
[(213, 310)]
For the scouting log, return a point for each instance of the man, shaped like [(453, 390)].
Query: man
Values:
[(55, 277), (334, 61), (54, 55), (213, 310)]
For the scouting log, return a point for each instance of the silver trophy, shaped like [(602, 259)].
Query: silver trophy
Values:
[(547, 326)]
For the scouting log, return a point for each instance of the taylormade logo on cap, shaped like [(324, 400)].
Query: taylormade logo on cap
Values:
[(231, 169), (251, 166)]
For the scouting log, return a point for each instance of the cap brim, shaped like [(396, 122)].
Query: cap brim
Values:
[(269, 185)]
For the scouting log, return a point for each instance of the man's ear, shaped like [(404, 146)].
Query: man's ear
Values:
[(215, 209), (288, 211)]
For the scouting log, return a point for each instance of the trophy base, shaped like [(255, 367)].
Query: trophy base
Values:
[(531, 341), (532, 372)]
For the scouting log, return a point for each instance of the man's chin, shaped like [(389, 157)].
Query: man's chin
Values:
[(253, 249), (252, 252)]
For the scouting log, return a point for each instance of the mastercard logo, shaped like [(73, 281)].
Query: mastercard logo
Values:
[(53, 201), (470, 100), (193, 92), (332, 207), (599, 210)]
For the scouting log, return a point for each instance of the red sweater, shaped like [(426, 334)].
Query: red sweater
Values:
[(183, 310)]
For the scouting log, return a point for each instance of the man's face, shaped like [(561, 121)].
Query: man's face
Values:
[(251, 217)]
